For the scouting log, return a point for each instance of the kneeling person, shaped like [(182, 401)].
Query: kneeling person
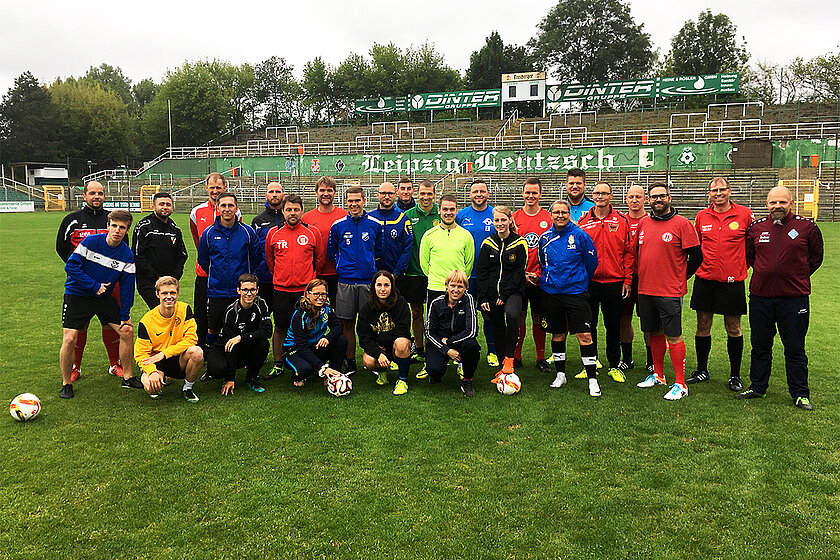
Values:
[(384, 331), (166, 344), (451, 329), (246, 330)]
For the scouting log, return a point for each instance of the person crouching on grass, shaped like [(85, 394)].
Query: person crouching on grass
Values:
[(246, 330), (501, 283), (384, 330), (315, 342), (166, 342), (451, 329)]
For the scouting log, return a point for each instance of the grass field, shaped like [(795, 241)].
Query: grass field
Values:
[(297, 474)]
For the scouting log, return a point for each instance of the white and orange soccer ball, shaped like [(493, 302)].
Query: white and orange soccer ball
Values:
[(339, 385), (25, 406), (509, 384)]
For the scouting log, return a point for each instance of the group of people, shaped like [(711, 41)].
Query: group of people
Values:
[(408, 280)]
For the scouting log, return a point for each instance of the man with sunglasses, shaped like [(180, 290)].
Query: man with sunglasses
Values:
[(667, 254), (719, 285)]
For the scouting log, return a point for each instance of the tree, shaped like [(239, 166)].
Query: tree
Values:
[(277, 94), (318, 90), (388, 70), (144, 91), (770, 83), (427, 71), (352, 80), (591, 41), (94, 122), (709, 46), (819, 77), (200, 108), (28, 122), (494, 59), (239, 85), (112, 79)]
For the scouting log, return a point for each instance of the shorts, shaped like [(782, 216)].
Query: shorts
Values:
[(413, 288), (720, 298), (332, 287), (171, 367), (216, 308), (79, 310), (285, 304), (566, 313), (657, 312), (628, 303), (267, 293), (350, 298), (533, 296)]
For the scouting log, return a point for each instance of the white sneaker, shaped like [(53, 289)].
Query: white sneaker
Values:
[(650, 381), (676, 393), (594, 388), (559, 381)]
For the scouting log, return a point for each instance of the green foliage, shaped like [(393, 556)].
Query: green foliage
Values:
[(277, 93), (112, 79), (592, 40), (494, 59), (388, 70), (318, 90), (95, 122), (819, 78), (238, 83), (427, 71), (144, 91), (28, 122), (201, 108), (708, 46)]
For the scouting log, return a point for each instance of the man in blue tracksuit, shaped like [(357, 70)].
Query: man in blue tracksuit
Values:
[(579, 203), (477, 218), (568, 261), (355, 246), (397, 237), (226, 250)]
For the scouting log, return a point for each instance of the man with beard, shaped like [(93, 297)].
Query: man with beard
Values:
[(158, 247), (91, 219), (322, 217), (397, 238), (668, 253), (784, 250), (576, 193)]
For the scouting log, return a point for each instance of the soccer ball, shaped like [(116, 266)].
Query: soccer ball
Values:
[(509, 384), (25, 406), (339, 386)]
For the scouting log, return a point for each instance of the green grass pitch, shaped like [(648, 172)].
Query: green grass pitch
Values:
[(298, 474)]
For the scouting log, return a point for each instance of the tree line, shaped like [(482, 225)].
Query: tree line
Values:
[(104, 117)]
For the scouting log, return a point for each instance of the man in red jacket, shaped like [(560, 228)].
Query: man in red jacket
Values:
[(610, 232), (784, 250), (293, 258), (719, 285)]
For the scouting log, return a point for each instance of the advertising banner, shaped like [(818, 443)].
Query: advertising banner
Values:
[(17, 206), (380, 105), (650, 87)]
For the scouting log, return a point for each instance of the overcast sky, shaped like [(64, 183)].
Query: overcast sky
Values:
[(59, 39)]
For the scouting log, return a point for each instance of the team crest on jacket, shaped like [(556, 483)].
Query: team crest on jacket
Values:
[(302, 240), (544, 224), (394, 234), (435, 222), (365, 236), (733, 225), (511, 258), (667, 237)]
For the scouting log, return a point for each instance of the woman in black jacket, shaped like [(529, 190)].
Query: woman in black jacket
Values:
[(450, 331), (384, 331), (501, 283)]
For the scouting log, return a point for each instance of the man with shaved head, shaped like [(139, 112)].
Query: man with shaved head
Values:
[(784, 250), (397, 237), (635, 214)]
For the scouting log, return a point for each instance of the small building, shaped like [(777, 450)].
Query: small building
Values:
[(36, 174)]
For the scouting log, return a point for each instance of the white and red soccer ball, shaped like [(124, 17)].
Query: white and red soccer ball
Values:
[(509, 384), (25, 406), (339, 385)]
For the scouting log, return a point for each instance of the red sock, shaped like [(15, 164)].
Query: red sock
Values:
[(677, 353), (518, 354), (79, 349), (112, 345), (657, 348), (539, 341)]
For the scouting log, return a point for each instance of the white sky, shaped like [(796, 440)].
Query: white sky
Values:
[(59, 39)]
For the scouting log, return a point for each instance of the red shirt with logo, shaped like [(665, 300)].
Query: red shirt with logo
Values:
[(202, 217), (611, 236), (323, 221), (661, 255), (292, 256), (530, 228), (722, 239)]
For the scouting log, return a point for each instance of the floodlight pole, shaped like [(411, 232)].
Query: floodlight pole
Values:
[(169, 111)]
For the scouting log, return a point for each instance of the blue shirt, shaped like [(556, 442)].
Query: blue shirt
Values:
[(579, 210), (480, 226)]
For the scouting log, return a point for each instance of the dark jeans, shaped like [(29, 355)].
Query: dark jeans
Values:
[(248, 353), (333, 354), (607, 296), (436, 360), (505, 321), (791, 316)]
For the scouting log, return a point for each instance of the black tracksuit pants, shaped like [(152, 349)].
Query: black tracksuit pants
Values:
[(791, 316)]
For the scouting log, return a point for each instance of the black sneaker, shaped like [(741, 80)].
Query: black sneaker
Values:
[(543, 366), (467, 388), (626, 366), (517, 362), (750, 394), (698, 376), (735, 384), (649, 368), (66, 391), (190, 396), (205, 377), (804, 403), (350, 368), (434, 380), (131, 383)]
